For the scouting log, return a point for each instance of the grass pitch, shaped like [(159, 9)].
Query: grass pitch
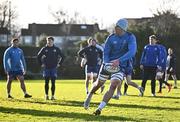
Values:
[(70, 95)]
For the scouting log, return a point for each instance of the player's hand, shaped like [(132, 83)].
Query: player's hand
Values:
[(171, 69), (58, 65), (44, 56), (141, 67), (42, 65), (7, 72), (159, 68), (115, 62), (24, 72)]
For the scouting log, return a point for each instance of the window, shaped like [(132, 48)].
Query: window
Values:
[(27, 40), (83, 27), (3, 38)]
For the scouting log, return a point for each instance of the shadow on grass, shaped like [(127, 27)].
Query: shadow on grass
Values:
[(82, 116), (94, 104), (164, 97)]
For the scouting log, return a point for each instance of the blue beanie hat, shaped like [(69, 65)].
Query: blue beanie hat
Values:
[(123, 24)]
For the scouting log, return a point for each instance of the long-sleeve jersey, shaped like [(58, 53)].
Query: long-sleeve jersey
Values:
[(171, 61), (14, 59), (120, 47), (131, 63), (50, 57), (151, 56), (91, 53), (163, 56), (100, 59)]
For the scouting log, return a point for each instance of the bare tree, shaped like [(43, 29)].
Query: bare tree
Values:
[(59, 15), (63, 16), (165, 18), (7, 15)]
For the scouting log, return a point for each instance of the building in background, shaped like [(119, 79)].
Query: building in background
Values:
[(4, 37), (61, 32)]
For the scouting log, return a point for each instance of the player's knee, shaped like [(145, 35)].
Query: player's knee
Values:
[(114, 85), (88, 76)]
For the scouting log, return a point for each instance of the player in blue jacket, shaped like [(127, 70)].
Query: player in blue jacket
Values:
[(150, 62), (50, 58), (15, 66), (119, 48), (161, 75)]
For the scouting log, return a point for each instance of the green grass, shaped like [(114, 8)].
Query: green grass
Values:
[(70, 95)]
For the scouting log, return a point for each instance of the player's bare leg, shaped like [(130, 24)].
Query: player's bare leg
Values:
[(87, 80), (95, 87), (9, 82), (130, 82)]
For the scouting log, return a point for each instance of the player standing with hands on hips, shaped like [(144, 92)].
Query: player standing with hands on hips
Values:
[(50, 58)]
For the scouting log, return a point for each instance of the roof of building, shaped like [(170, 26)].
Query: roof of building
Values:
[(61, 29)]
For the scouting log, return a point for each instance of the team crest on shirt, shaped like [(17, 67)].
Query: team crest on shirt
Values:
[(46, 50), (54, 50), (114, 42)]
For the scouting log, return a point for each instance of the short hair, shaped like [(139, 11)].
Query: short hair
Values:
[(88, 41), (153, 37), (91, 39), (170, 48), (14, 39), (50, 37)]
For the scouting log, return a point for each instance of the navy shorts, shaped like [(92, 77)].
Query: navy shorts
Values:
[(50, 72), (89, 69), (14, 74), (128, 71)]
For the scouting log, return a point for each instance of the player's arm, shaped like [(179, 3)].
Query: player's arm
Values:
[(132, 48), (142, 60), (173, 64), (5, 61), (100, 53), (107, 50), (160, 58), (61, 57), (23, 61), (81, 53), (40, 56)]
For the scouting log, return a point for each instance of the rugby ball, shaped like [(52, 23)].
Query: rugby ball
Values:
[(109, 68)]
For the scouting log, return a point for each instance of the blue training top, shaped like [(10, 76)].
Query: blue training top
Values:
[(14, 59), (120, 47), (151, 56), (163, 56)]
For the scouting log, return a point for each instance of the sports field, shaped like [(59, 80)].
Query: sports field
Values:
[(70, 95)]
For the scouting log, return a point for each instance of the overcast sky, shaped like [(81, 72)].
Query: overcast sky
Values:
[(101, 11)]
